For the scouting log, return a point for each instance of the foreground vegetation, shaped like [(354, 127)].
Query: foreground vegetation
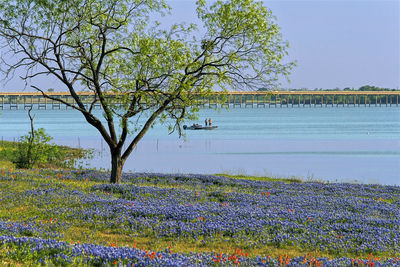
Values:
[(46, 155), (69, 217)]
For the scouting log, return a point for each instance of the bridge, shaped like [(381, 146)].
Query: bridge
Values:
[(232, 99)]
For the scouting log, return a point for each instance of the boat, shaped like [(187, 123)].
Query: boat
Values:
[(199, 127)]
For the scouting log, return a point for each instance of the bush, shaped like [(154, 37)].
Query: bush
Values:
[(34, 149)]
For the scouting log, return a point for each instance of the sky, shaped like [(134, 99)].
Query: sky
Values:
[(336, 43), (342, 43)]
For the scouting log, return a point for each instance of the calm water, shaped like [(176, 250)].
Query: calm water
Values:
[(328, 143)]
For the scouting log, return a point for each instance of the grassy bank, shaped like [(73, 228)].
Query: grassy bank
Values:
[(62, 158), (74, 217)]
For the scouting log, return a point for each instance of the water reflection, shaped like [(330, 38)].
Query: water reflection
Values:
[(329, 160)]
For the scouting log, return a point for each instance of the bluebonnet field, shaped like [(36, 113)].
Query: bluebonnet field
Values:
[(75, 218)]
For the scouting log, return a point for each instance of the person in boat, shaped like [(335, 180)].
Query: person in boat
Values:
[(209, 122), (205, 121)]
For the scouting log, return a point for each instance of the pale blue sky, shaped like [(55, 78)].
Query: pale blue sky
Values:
[(342, 43), (335, 43)]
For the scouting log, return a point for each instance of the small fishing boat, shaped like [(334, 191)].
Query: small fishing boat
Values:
[(199, 127)]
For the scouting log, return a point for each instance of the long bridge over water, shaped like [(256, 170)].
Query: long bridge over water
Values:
[(233, 99)]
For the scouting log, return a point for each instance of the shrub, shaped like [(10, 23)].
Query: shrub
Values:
[(34, 149)]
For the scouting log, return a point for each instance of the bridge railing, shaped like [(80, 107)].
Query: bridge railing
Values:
[(235, 99)]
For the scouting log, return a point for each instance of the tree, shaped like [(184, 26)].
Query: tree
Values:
[(133, 65)]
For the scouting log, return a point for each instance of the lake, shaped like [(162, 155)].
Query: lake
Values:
[(345, 144)]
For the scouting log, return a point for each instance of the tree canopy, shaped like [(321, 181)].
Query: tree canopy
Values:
[(115, 49)]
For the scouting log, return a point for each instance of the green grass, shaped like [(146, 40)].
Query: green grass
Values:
[(262, 178), (6, 164)]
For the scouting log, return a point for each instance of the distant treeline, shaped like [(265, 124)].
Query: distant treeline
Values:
[(362, 88)]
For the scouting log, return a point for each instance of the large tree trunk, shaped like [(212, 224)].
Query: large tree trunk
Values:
[(116, 166)]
